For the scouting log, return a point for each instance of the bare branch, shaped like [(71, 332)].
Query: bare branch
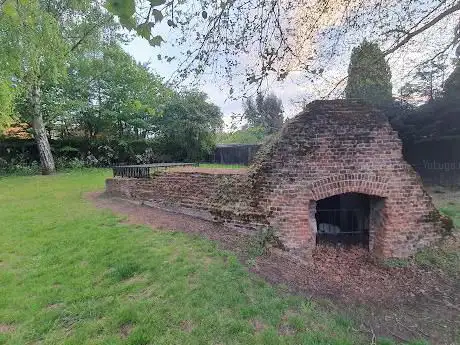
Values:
[(428, 25)]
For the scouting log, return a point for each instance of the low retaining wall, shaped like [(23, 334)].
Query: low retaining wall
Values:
[(215, 197)]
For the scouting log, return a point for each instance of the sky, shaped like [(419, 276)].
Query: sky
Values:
[(290, 92), (295, 89)]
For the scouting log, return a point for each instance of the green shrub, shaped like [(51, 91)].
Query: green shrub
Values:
[(21, 156), (18, 166)]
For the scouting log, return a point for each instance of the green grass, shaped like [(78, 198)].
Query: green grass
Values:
[(452, 209), (74, 274), (446, 256)]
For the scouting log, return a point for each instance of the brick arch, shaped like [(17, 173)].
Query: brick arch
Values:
[(349, 183)]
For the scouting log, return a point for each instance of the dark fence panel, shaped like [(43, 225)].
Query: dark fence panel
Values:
[(437, 160), (234, 154)]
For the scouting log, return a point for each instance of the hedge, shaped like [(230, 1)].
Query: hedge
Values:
[(95, 152)]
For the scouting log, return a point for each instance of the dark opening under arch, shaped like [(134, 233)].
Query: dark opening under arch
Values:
[(344, 219)]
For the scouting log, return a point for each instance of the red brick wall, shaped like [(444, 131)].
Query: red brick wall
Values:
[(337, 147), (217, 197)]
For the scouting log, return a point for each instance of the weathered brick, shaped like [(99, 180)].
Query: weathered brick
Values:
[(331, 148)]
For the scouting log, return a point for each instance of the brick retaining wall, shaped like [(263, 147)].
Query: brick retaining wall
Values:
[(215, 197)]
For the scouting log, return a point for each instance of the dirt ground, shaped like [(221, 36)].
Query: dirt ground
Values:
[(402, 303)]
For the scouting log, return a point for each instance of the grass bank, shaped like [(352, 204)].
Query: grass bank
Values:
[(72, 274)]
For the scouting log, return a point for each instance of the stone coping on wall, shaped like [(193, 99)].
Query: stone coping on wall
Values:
[(210, 171)]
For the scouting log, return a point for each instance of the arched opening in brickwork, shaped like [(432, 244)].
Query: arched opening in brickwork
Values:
[(347, 219)]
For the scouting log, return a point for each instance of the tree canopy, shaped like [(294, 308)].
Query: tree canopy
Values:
[(369, 75), (67, 75), (188, 126), (264, 111), (39, 38), (452, 84), (105, 93), (278, 38), (28, 34), (437, 118)]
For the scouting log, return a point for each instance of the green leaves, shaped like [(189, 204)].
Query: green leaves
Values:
[(122, 8), (7, 94), (157, 2), (188, 125), (125, 10), (157, 15), (265, 111), (369, 75), (144, 30), (33, 49), (156, 40), (107, 93)]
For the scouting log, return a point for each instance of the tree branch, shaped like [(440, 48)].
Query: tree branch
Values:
[(408, 37), (414, 33), (86, 34)]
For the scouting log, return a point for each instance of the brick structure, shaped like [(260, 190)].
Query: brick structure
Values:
[(337, 147), (332, 148), (222, 197)]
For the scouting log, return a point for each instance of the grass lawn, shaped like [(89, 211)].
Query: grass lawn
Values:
[(73, 274)]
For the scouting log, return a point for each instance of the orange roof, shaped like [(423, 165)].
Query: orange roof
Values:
[(19, 131)]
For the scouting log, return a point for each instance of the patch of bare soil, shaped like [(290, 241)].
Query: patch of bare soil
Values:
[(402, 303), (398, 302), (187, 326), (6, 328), (125, 330), (258, 325), (55, 306)]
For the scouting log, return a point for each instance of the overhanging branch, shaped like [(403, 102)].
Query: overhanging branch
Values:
[(425, 27)]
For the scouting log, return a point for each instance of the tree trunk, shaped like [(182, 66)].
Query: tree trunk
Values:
[(41, 138)]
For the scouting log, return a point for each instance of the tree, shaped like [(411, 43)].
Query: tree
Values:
[(188, 126), (280, 37), (6, 102), (427, 83), (265, 112), (108, 93), (37, 39), (36, 51), (369, 75), (436, 118), (452, 84)]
